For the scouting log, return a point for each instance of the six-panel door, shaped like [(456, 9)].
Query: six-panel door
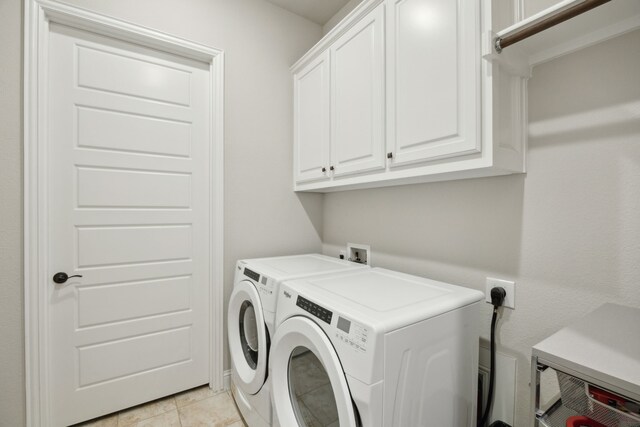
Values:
[(128, 200)]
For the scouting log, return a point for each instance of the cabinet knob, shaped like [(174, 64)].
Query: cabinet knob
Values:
[(389, 155), (324, 169), (331, 168)]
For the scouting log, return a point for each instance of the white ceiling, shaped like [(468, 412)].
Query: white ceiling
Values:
[(318, 11)]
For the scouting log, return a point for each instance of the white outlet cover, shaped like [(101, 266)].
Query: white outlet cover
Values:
[(510, 287)]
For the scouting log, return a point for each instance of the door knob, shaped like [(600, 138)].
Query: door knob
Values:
[(62, 277)]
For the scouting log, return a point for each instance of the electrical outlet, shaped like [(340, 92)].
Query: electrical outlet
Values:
[(509, 287)]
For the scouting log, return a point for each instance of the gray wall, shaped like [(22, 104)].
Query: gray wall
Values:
[(263, 216), (344, 11), (11, 295), (568, 232)]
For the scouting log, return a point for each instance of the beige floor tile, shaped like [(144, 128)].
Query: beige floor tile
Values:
[(216, 411), (194, 395), (168, 419), (106, 421), (142, 412)]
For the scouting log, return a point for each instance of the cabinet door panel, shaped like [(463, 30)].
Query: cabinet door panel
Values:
[(433, 71), (311, 121), (357, 103)]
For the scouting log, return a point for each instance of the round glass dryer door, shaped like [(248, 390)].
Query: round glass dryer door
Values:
[(312, 397), (308, 383), (247, 337), (248, 327)]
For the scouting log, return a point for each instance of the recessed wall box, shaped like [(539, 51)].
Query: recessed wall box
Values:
[(359, 253)]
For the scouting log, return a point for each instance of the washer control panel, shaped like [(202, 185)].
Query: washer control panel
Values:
[(265, 286), (313, 308), (352, 334), (251, 274)]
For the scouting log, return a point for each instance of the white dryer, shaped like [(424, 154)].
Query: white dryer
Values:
[(375, 348), (251, 324)]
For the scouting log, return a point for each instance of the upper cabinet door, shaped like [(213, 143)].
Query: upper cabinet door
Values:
[(357, 101), (433, 79), (311, 120)]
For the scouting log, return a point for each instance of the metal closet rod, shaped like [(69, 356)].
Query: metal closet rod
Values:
[(551, 21)]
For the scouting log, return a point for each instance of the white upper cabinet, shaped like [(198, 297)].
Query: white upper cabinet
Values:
[(410, 99), (433, 70), (357, 97), (311, 120)]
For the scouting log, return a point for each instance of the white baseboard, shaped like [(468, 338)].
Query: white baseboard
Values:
[(227, 380)]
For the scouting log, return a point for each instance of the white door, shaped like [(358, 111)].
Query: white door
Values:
[(357, 97), (247, 334), (128, 201), (309, 386), (433, 79), (311, 120)]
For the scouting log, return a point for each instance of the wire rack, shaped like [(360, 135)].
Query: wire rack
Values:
[(556, 415), (575, 396)]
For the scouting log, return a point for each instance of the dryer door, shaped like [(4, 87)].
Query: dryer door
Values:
[(309, 387), (247, 337)]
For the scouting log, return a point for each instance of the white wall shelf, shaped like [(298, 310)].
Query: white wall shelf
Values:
[(601, 23)]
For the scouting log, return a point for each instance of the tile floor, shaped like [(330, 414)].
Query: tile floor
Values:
[(199, 407)]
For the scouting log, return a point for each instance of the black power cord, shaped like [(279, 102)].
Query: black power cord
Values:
[(497, 299)]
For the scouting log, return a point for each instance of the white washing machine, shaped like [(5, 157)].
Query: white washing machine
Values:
[(375, 348), (251, 324)]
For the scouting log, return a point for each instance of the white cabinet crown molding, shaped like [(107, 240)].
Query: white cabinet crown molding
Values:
[(336, 32)]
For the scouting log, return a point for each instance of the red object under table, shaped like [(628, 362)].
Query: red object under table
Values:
[(581, 421)]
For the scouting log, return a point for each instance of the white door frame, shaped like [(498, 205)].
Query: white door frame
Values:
[(39, 14)]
